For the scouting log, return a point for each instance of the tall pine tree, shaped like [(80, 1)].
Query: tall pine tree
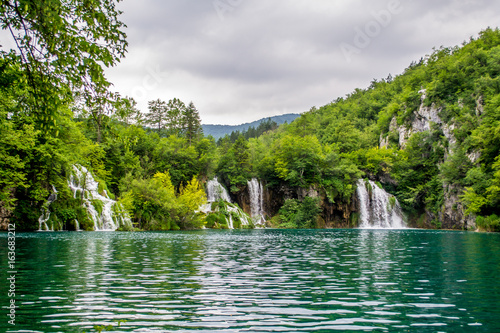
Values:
[(192, 123)]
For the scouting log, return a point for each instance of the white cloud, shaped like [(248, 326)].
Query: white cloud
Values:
[(265, 58)]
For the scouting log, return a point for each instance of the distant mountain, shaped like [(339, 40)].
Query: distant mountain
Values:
[(219, 131)]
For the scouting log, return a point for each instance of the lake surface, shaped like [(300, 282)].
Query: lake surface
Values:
[(255, 281)]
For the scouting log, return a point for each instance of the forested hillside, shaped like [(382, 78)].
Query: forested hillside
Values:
[(431, 136)]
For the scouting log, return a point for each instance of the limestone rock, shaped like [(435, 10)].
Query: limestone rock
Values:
[(452, 215), (4, 218)]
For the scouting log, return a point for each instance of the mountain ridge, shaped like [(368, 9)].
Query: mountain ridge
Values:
[(219, 131)]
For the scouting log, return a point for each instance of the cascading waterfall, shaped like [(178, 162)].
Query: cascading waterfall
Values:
[(256, 194), (216, 192), (42, 220), (378, 208), (109, 218)]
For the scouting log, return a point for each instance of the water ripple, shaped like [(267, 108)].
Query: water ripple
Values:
[(257, 281)]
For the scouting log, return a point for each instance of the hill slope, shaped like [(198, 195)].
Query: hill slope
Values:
[(219, 131), (430, 136)]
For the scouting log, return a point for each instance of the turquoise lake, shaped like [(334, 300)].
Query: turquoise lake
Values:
[(255, 281)]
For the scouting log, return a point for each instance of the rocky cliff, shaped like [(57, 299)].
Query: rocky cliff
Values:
[(427, 118), (333, 215), (4, 218)]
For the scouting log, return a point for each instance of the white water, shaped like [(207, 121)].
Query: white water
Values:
[(216, 192), (83, 183), (77, 225), (42, 220), (242, 216), (376, 209), (256, 194)]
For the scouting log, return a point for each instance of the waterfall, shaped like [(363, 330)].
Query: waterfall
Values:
[(216, 192), (256, 194), (364, 202), (378, 208), (232, 213), (235, 212), (42, 220), (77, 225), (100, 208)]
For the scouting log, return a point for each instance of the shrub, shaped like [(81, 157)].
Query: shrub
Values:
[(299, 215), (488, 223)]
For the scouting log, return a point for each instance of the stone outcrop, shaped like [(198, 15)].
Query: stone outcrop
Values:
[(4, 218), (393, 128), (452, 214), (422, 119), (452, 141), (243, 200), (339, 215)]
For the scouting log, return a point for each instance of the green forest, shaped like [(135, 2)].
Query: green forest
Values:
[(430, 136)]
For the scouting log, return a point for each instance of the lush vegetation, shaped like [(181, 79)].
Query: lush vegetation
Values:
[(295, 214), (156, 163), (457, 155)]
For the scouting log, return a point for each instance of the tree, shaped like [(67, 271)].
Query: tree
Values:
[(417, 173), (192, 123), (176, 155), (175, 115), (62, 48), (298, 160), (13, 144), (65, 44), (207, 156), (152, 202), (235, 165), (190, 199), (303, 215), (157, 116), (155, 204), (127, 111), (264, 126), (99, 112), (242, 154)]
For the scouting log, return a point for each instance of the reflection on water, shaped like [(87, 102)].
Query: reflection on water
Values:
[(257, 281)]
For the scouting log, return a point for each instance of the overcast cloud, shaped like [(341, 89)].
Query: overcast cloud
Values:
[(242, 60)]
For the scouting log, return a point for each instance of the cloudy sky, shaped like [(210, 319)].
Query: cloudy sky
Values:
[(242, 60)]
